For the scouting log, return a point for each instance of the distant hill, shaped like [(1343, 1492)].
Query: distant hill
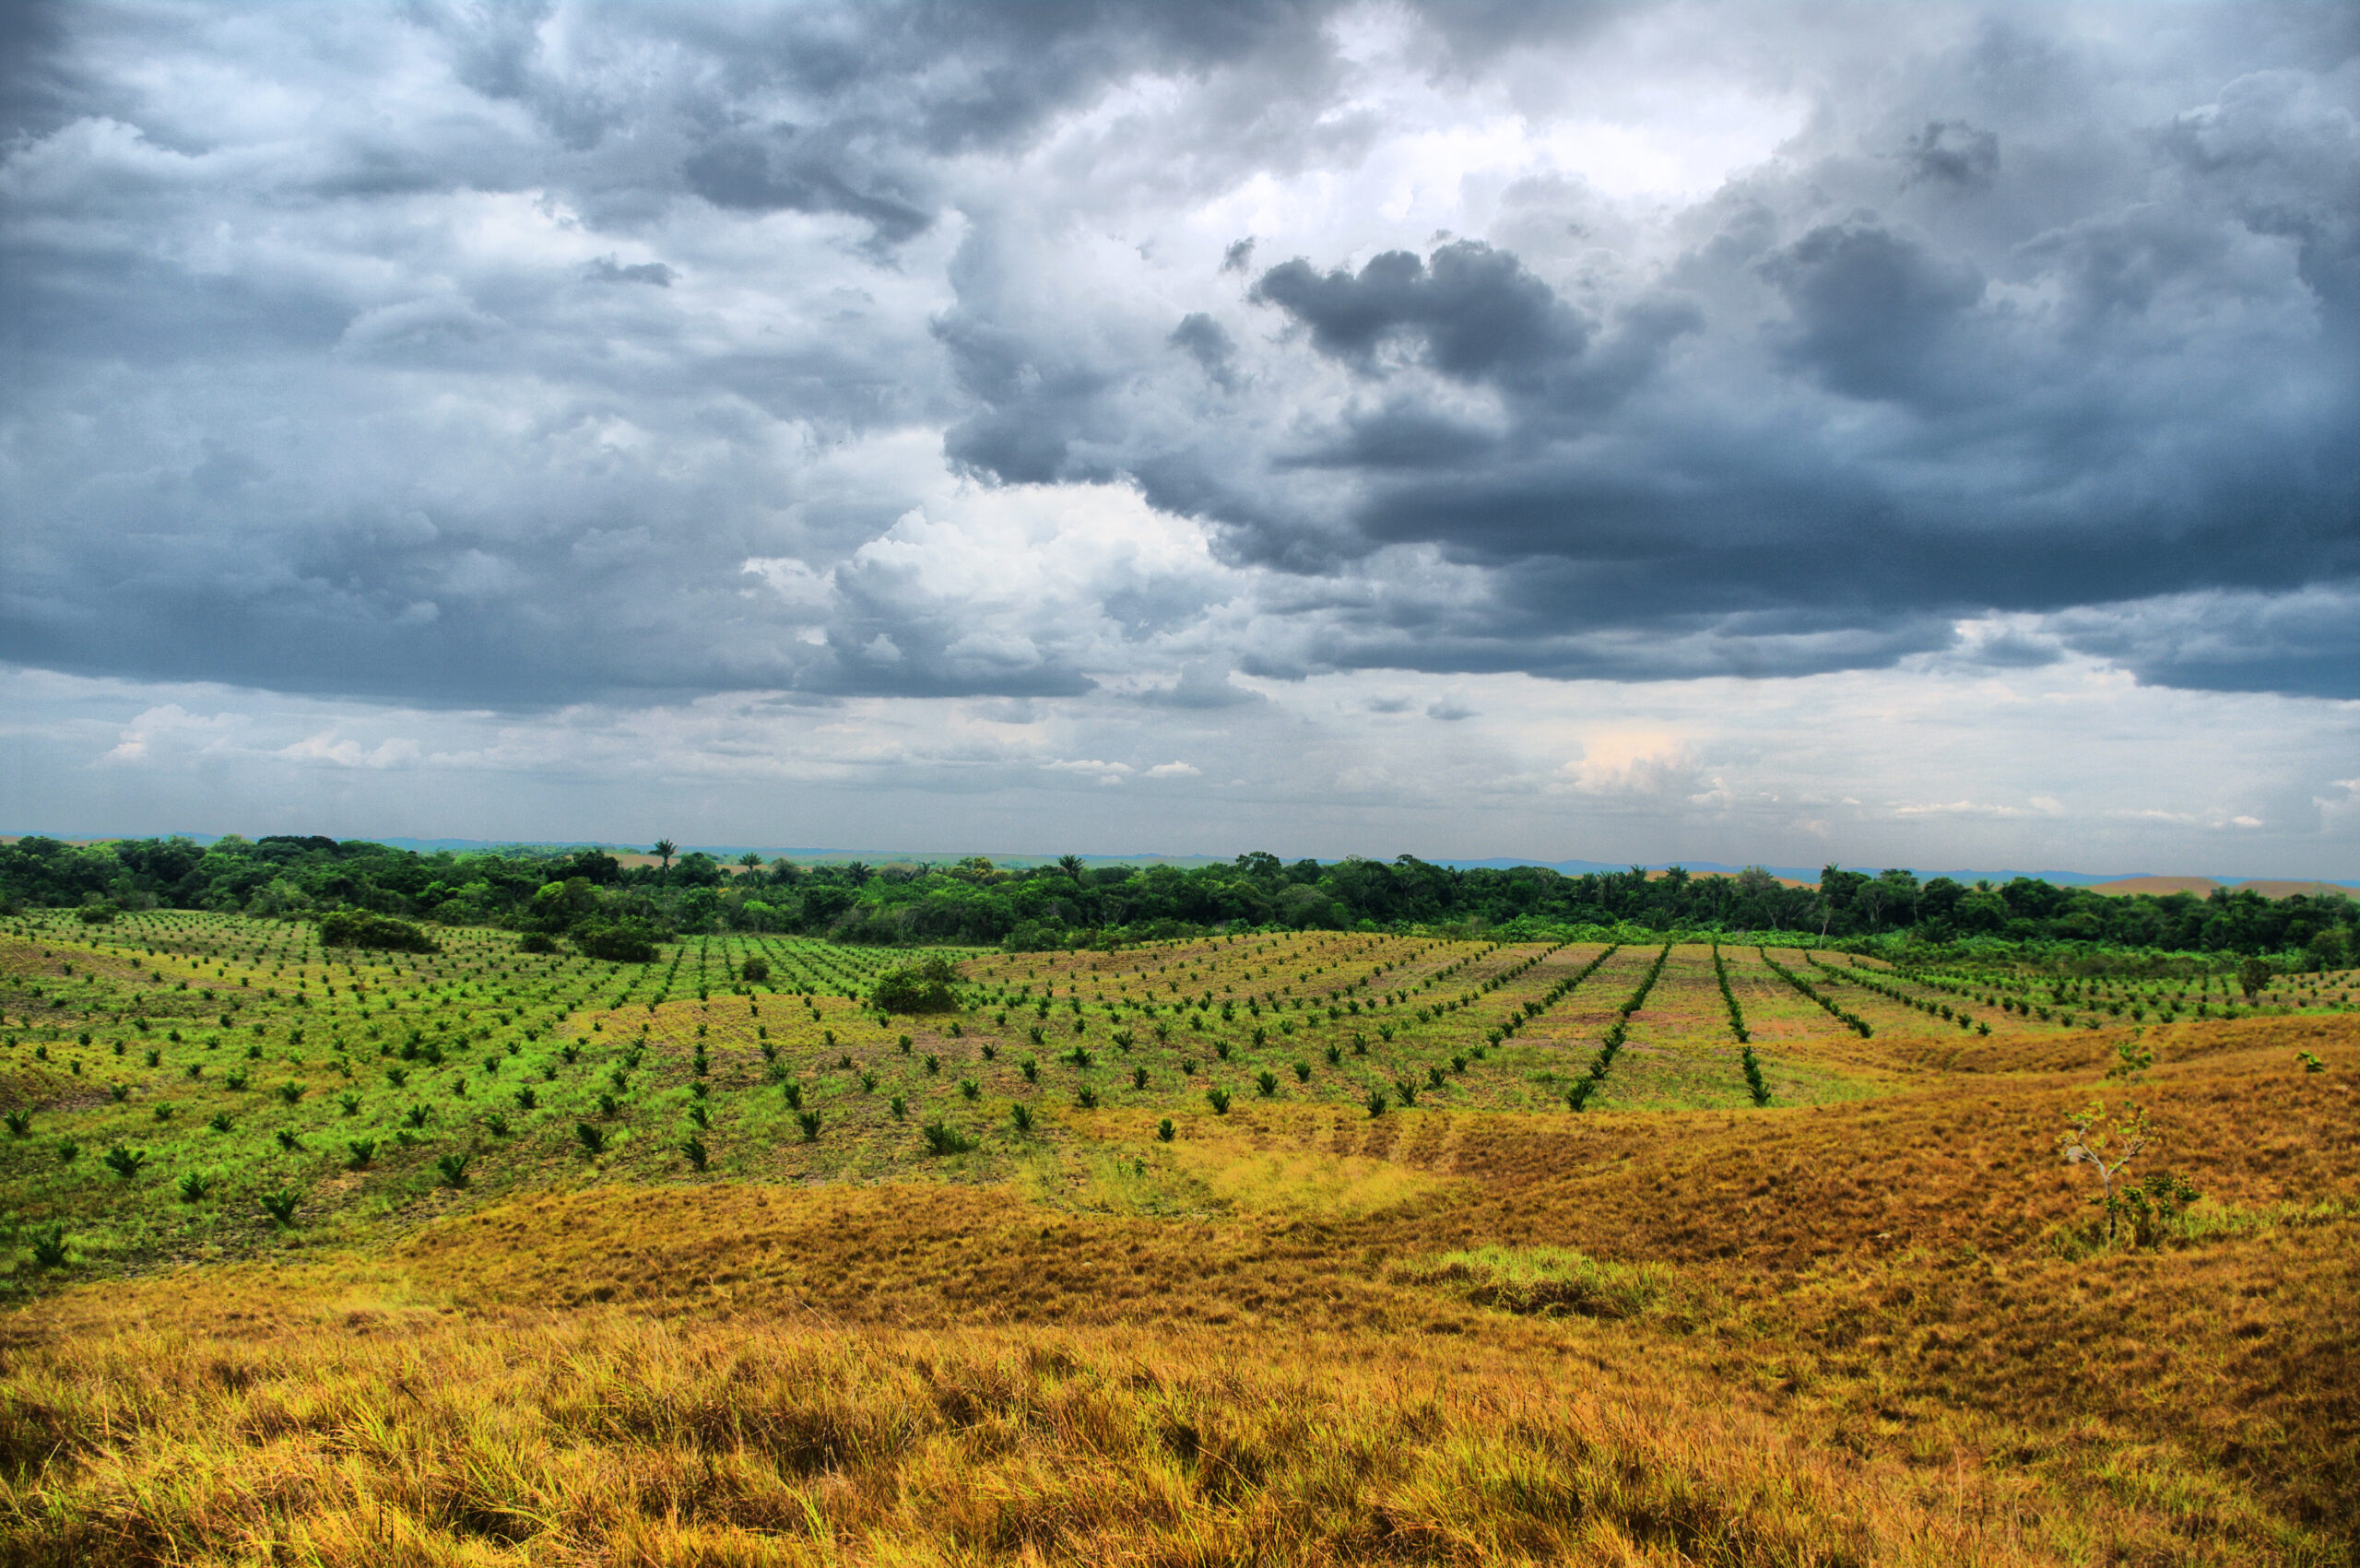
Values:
[(2200, 886)]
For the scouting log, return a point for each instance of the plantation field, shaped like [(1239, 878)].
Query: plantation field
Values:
[(1285, 1248)]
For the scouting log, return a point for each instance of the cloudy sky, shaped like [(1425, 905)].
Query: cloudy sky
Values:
[(1893, 433)]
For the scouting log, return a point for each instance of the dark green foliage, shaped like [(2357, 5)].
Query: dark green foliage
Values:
[(67, 1150), (453, 1169), (1087, 1098), (970, 1089), (361, 1151), (1138, 1078), (290, 1091), (942, 1139), (1217, 1098), (495, 1124), (617, 941), (927, 987), (280, 1206), (124, 1161), (810, 1121), (698, 1154), (1753, 1081), (526, 1100), (194, 1186), (21, 1123), (1165, 1131), (416, 1115), (1335, 1056), (49, 1247), (360, 928), (289, 1141), (899, 1106), (591, 1137), (1375, 1103), (1407, 1090), (753, 971), (1267, 1082), (1021, 1114)]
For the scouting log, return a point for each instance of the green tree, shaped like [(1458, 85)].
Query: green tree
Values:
[(664, 851), (2252, 975), (2106, 1145)]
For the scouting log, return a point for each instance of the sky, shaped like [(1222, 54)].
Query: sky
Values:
[(1895, 434)]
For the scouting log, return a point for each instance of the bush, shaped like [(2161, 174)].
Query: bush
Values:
[(280, 1207), (943, 1139), (536, 942), (360, 928), (917, 989), (754, 971), (617, 941)]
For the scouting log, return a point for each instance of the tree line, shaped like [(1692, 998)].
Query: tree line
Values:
[(559, 890)]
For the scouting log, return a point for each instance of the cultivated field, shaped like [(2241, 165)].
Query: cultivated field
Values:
[(1266, 1248)]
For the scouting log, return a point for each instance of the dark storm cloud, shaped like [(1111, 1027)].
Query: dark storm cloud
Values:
[(356, 400)]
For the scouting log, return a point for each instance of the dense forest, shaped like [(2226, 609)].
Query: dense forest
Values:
[(558, 891)]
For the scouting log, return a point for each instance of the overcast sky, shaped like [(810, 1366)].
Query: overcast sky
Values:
[(1892, 434)]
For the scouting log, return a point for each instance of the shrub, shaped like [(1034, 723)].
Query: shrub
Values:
[(1335, 1056), (867, 1082), (794, 1093), (416, 1115), (21, 1123), (1753, 1081), (1407, 1090), (280, 1207), (1577, 1097), (700, 1115), (124, 1161), (923, 988), (970, 1089), (1267, 1082), (535, 942), (617, 941), (194, 1186), (362, 1151), (1165, 1131), (1375, 1103), (289, 1141), (360, 928), (495, 1124), (1087, 1098), (1022, 1116), (698, 1154), (1138, 1078), (900, 1107), (1217, 1098), (220, 1122), (526, 1100), (754, 971), (943, 1139), (290, 1091), (67, 1150), (592, 1137), (348, 1103), (49, 1247), (454, 1168), (1031, 1070)]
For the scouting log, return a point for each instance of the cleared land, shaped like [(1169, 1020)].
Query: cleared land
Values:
[(1395, 1301)]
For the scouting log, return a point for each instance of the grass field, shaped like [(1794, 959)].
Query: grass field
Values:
[(1266, 1248)]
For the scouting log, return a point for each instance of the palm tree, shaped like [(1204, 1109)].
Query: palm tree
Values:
[(750, 861), (664, 851), (1071, 865)]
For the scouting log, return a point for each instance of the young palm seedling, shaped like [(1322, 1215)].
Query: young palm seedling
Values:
[(810, 1121), (1217, 1098), (698, 1154), (280, 1206), (288, 1142), (359, 1152), (1022, 1116), (124, 1161), (1267, 1082), (454, 1168), (194, 1186), (592, 1137)]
